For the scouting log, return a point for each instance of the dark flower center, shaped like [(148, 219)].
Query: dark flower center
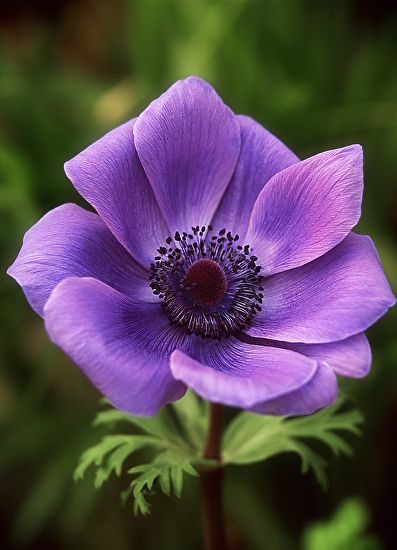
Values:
[(208, 284)]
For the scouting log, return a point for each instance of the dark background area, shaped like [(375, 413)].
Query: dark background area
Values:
[(317, 74)]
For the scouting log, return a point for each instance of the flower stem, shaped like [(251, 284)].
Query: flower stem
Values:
[(211, 484)]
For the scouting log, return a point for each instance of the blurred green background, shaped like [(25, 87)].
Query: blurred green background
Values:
[(318, 75)]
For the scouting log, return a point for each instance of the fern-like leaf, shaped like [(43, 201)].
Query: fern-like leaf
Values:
[(253, 438), (175, 439), (167, 469), (162, 425), (110, 453)]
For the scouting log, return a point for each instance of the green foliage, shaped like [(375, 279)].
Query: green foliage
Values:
[(344, 531), (161, 425), (174, 438), (109, 455), (252, 438), (162, 437), (192, 415), (168, 469)]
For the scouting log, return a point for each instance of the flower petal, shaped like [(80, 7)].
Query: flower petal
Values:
[(350, 357), (262, 156), (239, 374), (71, 242), (109, 175), (319, 392), (307, 209), (188, 142), (334, 297), (122, 346)]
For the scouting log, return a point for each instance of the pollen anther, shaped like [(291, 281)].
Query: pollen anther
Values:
[(207, 283)]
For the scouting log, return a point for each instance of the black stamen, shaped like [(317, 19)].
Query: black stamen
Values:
[(200, 309)]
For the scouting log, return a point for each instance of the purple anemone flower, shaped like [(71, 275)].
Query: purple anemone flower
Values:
[(217, 260)]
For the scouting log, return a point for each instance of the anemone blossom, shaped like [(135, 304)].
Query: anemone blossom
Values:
[(216, 260)]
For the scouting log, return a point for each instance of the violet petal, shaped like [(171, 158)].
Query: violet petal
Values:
[(188, 142), (319, 392), (334, 297), (350, 357), (109, 175), (72, 242), (307, 209), (121, 345), (262, 156), (239, 374)]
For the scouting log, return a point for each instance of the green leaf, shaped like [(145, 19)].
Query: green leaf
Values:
[(249, 438), (192, 413), (112, 451), (141, 505), (345, 530), (167, 469), (161, 425), (252, 438), (172, 456)]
